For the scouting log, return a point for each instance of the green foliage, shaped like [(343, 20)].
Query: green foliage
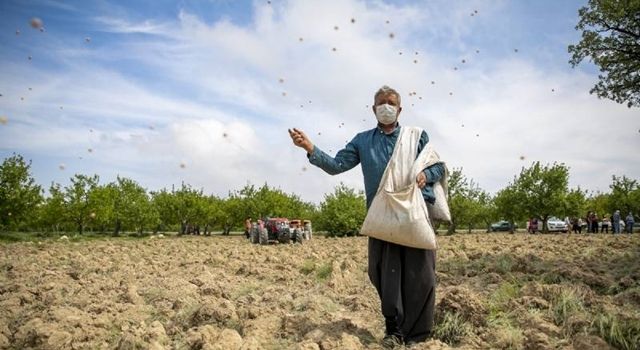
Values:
[(469, 204), (80, 206), (342, 212), (106, 200), (53, 212), (539, 191), (600, 203), (611, 40), (132, 206), (625, 195), (124, 205), (509, 205), (575, 203), (19, 194)]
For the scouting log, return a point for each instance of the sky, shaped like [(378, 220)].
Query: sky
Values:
[(203, 92)]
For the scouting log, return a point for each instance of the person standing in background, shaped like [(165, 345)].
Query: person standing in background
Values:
[(567, 221), (247, 227), (616, 221), (605, 224), (629, 223)]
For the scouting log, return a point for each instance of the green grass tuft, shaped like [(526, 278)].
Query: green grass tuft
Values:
[(308, 266), (619, 333), (324, 271), (565, 304), (451, 328)]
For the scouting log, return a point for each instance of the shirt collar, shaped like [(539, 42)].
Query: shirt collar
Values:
[(393, 132)]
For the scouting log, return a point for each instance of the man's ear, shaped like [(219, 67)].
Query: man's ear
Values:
[(373, 108), (399, 110)]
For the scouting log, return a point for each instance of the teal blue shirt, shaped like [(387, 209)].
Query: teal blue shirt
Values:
[(372, 149)]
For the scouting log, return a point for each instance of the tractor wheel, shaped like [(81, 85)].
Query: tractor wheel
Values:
[(298, 236), (284, 237), (264, 237), (255, 236)]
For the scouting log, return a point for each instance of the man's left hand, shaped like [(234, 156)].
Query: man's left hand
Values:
[(421, 180)]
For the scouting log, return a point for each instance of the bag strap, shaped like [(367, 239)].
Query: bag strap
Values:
[(394, 156), (405, 133)]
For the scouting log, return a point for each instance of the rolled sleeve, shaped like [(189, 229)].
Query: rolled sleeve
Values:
[(345, 159), (434, 173)]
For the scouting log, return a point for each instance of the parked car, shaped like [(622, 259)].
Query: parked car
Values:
[(502, 225), (556, 225)]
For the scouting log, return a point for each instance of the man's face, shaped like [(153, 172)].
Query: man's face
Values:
[(390, 99)]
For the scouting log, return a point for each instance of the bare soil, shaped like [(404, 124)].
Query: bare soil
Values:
[(495, 291)]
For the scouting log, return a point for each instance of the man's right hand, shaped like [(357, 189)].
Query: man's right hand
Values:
[(301, 140)]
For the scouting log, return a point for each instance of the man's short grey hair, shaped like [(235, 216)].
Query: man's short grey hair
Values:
[(385, 90)]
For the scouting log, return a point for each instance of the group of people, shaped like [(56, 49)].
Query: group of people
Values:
[(593, 224)]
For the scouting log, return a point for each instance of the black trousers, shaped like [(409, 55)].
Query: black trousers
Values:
[(405, 279)]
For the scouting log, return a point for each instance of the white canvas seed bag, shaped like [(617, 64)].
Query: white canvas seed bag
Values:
[(398, 212)]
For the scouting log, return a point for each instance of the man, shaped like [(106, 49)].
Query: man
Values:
[(247, 227), (629, 223), (605, 224), (404, 277), (615, 221)]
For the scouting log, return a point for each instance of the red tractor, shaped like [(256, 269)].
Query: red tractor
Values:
[(281, 230)]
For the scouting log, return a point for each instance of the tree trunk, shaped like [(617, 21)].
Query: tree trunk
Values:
[(116, 230), (452, 228)]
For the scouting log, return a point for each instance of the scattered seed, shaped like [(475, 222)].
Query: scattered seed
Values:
[(36, 23)]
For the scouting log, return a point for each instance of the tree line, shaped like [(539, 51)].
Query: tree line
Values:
[(123, 205)]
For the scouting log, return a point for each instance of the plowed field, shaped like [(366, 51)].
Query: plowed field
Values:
[(495, 291)]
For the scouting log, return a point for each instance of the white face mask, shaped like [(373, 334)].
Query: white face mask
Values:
[(386, 114)]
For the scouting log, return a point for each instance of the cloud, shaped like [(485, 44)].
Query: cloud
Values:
[(208, 95)]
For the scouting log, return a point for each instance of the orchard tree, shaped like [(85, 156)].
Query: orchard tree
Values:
[(133, 207), (611, 40), (188, 207), (457, 184), (165, 204), (105, 215), (598, 202), (509, 205), (342, 212), (80, 206), (213, 213), (485, 210), (542, 190), (53, 212), (19, 194), (625, 195), (575, 203), (463, 201)]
